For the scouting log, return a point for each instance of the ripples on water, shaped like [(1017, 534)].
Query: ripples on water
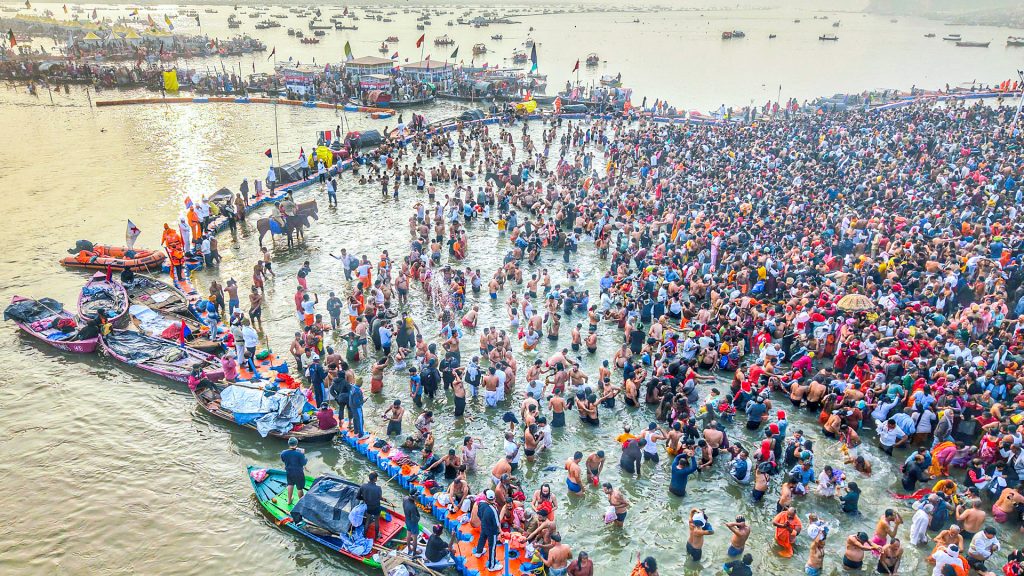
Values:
[(119, 473)]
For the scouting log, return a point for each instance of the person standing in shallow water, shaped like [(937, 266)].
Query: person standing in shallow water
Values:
[(294, 459)]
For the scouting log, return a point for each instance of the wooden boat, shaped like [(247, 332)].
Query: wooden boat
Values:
[(828, 37), (383, 49), (593, 59), (310, 40), (38, 319), (496, 36), (158, 356), (519, 56), (98, 294), (319, 33), (952, 37), (772, 36), (391, 39), (443, 41), (272, 494), (479, 49), (930, 35), (158, 295), (1015, 41), (209, 399), (117, 257), (969, 44)]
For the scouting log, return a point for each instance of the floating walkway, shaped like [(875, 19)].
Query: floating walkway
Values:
[(372, 111)]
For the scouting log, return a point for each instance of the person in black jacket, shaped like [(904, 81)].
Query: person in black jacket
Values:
[(372, 496), (489, 530), (632, 456), (355, 409)]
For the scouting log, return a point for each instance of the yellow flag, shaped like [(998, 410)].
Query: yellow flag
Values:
[(171, 81)]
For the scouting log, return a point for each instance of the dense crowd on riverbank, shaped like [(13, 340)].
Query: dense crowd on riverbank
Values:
[(863, 266)]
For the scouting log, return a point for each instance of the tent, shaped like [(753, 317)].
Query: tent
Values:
[(364, 139), (91, 38), (132, 37), (290, 172), (472, 115)]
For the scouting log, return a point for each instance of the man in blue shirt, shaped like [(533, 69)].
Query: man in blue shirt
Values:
[(294, 459), (681, 472)]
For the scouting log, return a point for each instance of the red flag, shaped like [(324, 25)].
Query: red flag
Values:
[(302, 152), (11, 39), (577, 66), (272, 52), (268, 153), (327, 135), (420, 41)]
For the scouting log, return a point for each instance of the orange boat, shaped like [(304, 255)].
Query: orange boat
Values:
[(117, 257)]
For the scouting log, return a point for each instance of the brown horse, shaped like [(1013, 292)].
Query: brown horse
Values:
[(293, 223)]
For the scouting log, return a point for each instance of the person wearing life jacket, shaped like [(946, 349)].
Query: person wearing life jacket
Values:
[(177, 262)]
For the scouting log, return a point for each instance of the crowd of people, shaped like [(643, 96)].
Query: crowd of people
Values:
[(863, 266)]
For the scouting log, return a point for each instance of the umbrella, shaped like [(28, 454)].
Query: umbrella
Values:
[(855, 303)]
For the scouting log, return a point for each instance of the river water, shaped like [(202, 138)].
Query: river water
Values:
[(107, 471)]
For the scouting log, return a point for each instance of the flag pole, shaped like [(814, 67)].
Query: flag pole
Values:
[(277, 140)]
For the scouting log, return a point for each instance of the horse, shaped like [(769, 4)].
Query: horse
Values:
[(292, 223)]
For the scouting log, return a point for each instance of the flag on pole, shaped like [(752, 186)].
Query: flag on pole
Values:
[(188, 202), (268, 153), (485, 66), (167, 20), (253, 66), (272, 52), (95, 15), (420, 41), (533, 58), (184, 334), (394, 56), (455, 54), (28, 4), (149, 18), (577, 66), (131, 233), (197, 20), (65, 8), (345, 13), (348, 51), (302, 153), (10, 38)]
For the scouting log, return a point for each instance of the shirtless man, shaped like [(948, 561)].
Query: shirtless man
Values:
[(558, 557), (889, 561), (816, 556), (856, 545), (618, 501), (394, 415), (815, 392), (1002, 510), (595, 464), (574, 480), (500, 469), (740, 532), (971, 520), (698, 530)]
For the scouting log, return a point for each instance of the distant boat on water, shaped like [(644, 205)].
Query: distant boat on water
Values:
[(969, 44), (930, 35), (771, 36), (952, 37), (830, 37), (1015, 41)]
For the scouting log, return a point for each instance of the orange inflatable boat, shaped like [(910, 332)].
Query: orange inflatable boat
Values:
[(117, 257)]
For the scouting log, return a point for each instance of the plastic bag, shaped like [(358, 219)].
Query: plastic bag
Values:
[(610, 515)]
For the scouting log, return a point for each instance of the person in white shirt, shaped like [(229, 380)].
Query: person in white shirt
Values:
[(945, 556), (983, 545)]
